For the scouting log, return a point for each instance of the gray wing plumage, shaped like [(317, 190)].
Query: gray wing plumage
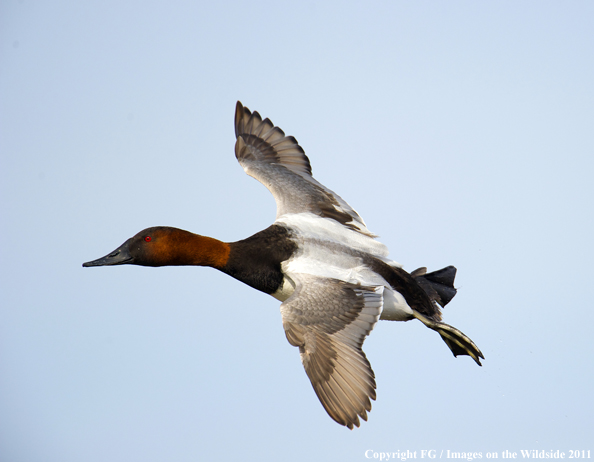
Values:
[(280, 164), (328, 320)]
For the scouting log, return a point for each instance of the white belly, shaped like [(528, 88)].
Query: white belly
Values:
[(348, 268), (395, 307), (329, 250)]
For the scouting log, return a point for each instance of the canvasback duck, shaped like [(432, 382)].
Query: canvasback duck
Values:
[(319, 259)]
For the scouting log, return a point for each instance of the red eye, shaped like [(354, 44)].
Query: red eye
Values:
[(147, 238)]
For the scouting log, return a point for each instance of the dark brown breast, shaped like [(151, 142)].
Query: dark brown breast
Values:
[(256, 261)]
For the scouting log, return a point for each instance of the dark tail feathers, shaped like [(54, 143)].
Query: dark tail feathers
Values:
[(439, 285)]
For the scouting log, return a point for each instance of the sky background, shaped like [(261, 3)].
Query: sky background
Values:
[(461, 131)]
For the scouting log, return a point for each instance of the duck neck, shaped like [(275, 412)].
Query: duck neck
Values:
[(193, 249), (213, 252)]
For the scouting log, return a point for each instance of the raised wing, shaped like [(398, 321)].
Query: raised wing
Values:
[(328, 320), (279, 163)]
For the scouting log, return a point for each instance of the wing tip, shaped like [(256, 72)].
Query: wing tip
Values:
[(240, 110)]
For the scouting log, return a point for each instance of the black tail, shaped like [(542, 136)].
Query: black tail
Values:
[(439, 285)]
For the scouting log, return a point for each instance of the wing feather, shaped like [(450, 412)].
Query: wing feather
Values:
[(280, 164), (328, 320)]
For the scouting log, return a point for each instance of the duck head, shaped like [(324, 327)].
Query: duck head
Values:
[(166, 246)]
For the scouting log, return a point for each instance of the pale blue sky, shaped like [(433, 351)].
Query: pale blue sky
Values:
[(462, 133)]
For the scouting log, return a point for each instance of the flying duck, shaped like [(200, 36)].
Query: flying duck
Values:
[(318, 258)]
